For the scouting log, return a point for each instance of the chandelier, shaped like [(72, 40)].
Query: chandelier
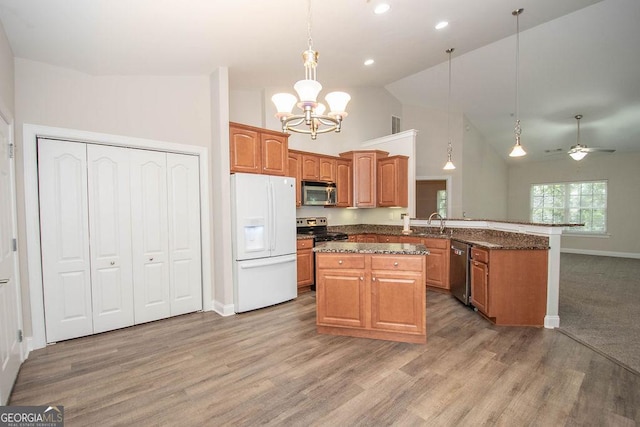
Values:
[(517, 150), (312, 120)]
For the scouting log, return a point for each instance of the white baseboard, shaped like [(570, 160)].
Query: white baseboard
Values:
[(223, 309), (600, 253), (551, 322)]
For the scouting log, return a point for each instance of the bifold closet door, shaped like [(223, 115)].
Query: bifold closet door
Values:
[(183, 180), (64, 235), (149, 233), (110, 228)]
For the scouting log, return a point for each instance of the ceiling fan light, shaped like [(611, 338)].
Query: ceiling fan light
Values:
[(578, 155)]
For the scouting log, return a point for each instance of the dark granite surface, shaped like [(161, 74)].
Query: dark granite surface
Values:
[(491, 239), (371, 248)]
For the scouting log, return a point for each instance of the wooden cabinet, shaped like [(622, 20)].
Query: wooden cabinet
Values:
[(344, 183), (310, 167), (294, 169), (305, 264), (365, 169), (327, 167), (371, 296), (392, 181), (510, 286), (256, 150), (364, 238), (385, 238), (438, 263)]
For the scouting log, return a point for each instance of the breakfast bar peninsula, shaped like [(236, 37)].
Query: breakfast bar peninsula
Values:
[(371, 290)]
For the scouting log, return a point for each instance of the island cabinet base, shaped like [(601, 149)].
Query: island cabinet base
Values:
[(378, 296)]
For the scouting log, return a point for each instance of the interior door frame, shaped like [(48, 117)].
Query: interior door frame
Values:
[(30, 134), (6, 117)]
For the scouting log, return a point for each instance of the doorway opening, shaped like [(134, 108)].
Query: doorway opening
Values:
[(432, 195)]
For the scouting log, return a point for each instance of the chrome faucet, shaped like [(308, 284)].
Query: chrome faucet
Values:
[(437, 215)]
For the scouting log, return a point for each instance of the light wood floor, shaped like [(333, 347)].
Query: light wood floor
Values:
[(270, 367)]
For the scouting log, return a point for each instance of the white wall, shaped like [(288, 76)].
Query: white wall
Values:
[(622, 172), (172, 109), (6, 73), (484, 178)]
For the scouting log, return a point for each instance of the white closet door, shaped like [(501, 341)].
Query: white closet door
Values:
[(110, 226), (64, 234), (149, 224), (184, 233)]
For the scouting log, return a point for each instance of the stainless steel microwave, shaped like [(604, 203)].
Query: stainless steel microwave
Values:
[(318, 193)]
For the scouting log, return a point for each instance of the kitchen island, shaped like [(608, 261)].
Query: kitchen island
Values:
[(371, 290)]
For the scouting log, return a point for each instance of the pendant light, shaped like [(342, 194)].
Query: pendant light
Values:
[(517, 150), (449, 165)]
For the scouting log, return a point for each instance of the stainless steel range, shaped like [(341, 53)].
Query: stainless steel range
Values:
[(317, 227)]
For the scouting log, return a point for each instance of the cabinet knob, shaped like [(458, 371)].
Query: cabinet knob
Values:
[(151, 259), (373, 279), (361, 278), (112, 263), (340, 262), (395, 264)]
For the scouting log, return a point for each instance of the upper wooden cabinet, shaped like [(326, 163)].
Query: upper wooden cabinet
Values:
[(310, 167), (327, 169), (393, 181), (365, 170), (294, 169), (256, 150), (344, 183)]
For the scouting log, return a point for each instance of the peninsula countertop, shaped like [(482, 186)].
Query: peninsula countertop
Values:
[(371, 248)]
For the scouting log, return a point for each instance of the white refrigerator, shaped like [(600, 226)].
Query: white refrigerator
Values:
[(263, 218)]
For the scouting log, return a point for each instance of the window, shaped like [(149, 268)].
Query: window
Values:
[(571, 202), (442, 202)]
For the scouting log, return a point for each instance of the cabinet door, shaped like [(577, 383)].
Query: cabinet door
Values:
[(327, 169), (364, 181), (344, 183), (398, 302), (183, 199), (64, 236), (305, 263), (149, 235), (110, 226), (294, 169), (274, 154), (245, 151), (388, 239), (480, 286), (310, 167), (392, 181), (437, 271), (340, 296)]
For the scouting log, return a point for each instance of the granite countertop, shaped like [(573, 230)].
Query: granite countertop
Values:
[(371, 248), (490, 239)]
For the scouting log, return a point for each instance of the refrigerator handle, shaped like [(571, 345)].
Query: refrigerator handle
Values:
[(272, 217)]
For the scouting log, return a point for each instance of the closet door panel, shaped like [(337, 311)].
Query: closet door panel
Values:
[(149, 235), (64, 235), (184, 233), (110, 225)]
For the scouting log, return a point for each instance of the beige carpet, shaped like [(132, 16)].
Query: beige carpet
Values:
[(600, 305)]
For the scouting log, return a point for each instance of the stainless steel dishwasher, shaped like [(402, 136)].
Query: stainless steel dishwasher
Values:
[(459, 280)]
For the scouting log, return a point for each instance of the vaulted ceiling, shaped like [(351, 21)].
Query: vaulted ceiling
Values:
[(576, 56)]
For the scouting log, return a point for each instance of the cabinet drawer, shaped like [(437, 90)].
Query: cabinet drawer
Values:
[(304, 244), (346, 261), (399, 263), (480, 255), (437, 243)]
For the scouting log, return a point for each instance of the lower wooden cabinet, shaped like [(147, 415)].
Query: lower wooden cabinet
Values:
[(438, 263), (371, 296), (510, 286), (305, 264)]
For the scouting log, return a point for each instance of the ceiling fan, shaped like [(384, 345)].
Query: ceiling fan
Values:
[(579, 151)]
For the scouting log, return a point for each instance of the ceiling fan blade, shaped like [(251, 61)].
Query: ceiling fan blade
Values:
[(596, 149)]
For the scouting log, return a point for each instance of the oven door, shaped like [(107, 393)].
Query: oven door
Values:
[(318, 193)]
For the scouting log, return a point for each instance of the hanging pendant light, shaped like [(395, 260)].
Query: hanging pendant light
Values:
[(517, 150), (449, 165), (312, 120)]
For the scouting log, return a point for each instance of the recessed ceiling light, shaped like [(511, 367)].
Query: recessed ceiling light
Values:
[(369, 62), (440, 25), (381, 8)]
